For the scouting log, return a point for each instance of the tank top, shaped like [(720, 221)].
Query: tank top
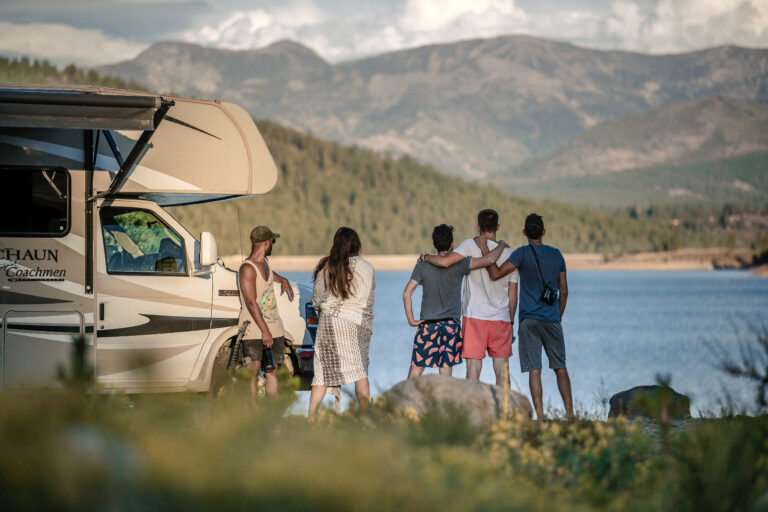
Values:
[(267, 302)]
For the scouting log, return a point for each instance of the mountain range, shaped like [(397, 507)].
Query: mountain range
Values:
[(712, 149), (488, 109), (394, 202)]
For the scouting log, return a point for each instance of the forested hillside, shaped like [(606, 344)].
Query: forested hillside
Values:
[(394, 203), (26, 71), (742, 179)]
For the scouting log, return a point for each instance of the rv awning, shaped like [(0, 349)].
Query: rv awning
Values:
[(38, 109), (178, 150), (202, 151)]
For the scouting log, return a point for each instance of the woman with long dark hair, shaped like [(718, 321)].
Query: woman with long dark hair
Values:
[(343, 297)]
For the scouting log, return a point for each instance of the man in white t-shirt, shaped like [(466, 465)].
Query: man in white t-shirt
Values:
[(488, 306)]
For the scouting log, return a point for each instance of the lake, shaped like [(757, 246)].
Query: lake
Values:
[(621, 330)]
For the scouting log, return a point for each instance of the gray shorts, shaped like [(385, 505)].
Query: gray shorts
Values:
[(533, 335), (254, 349)]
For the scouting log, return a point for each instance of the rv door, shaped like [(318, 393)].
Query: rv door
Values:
[(42, 301), (153, 314)]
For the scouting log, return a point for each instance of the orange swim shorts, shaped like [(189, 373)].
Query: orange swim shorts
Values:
[(491, 336)]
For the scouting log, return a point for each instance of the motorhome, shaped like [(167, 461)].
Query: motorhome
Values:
[(86, 246)]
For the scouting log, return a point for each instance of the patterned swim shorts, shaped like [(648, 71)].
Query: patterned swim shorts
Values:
[(437, 344)]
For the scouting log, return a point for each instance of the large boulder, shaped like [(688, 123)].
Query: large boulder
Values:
[(661, 402), (481, 402)]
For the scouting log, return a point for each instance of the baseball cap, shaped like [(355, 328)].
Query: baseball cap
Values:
[(262, 234)]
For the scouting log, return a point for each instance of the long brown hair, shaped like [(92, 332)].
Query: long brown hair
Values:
[(335, 266)]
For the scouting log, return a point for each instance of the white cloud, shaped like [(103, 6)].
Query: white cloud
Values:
[(411, 23), (653, 26), (431, 16), (63, 44), (258, 27), (683, 25), (341, 31), (427, 21)]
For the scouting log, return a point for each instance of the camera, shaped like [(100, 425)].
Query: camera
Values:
[(549, 296)]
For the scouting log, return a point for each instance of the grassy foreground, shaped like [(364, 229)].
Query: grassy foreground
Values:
[(66, 450)]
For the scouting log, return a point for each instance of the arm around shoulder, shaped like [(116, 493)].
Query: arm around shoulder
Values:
[(497, 272), (489, 258), (443, 260)]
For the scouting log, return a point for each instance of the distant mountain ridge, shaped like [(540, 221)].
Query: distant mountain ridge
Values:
[(702, 130), (711, 149), (473, 108)]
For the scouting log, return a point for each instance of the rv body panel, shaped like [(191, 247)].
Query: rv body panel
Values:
[(43, 303), (152, 320)]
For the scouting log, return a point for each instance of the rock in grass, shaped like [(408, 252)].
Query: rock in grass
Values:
[(661, 402), (481, 402)]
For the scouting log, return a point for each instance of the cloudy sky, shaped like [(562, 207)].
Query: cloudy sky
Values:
[(93, 32)]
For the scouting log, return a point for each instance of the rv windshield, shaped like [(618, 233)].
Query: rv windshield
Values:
[(35, 201), (136, 241)]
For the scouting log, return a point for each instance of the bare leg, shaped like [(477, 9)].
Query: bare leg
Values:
[(363, 392), (564, 385), (415, 371), (271, 378), (315, 399), (501, 369), (474, 366), (446, 370), (256, 367), (534, 382)]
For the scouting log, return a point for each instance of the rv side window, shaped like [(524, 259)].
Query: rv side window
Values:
[(35, 201), (137, 242)]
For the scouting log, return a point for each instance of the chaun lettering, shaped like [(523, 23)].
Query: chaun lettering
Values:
[(11, 254)]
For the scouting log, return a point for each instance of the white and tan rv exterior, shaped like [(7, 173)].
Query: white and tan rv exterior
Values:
[(86, 246)]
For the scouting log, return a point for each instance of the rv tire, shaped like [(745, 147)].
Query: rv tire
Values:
[(221, 375)]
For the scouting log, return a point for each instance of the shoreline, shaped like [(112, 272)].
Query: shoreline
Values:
[(677, 260)]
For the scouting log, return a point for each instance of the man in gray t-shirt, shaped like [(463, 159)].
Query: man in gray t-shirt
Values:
[(438, 343)]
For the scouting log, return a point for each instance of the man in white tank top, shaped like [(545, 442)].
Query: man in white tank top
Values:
[(259, 307), (488, 306)]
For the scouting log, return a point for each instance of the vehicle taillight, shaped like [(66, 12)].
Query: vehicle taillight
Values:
[(310, 314)]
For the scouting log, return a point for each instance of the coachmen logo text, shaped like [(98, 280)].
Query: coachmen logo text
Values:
[(19, 265)]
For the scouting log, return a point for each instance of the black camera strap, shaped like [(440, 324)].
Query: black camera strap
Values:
[(544, 284)]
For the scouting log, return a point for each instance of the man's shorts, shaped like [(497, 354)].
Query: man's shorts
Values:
[(254, 349), (533, 335), (481, 336), (437, 344)]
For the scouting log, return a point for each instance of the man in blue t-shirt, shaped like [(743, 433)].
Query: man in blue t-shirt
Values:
[(543, 294), (438, 342)]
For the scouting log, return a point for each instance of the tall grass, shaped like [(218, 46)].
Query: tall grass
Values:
[(75, 449), (66, 450)]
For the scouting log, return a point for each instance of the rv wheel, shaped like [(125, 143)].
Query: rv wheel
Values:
[(290, 360), (221, 376)]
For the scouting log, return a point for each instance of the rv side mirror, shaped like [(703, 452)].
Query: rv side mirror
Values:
[(209, 253)]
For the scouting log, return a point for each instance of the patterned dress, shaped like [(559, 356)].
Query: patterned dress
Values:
[(344, 330)]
